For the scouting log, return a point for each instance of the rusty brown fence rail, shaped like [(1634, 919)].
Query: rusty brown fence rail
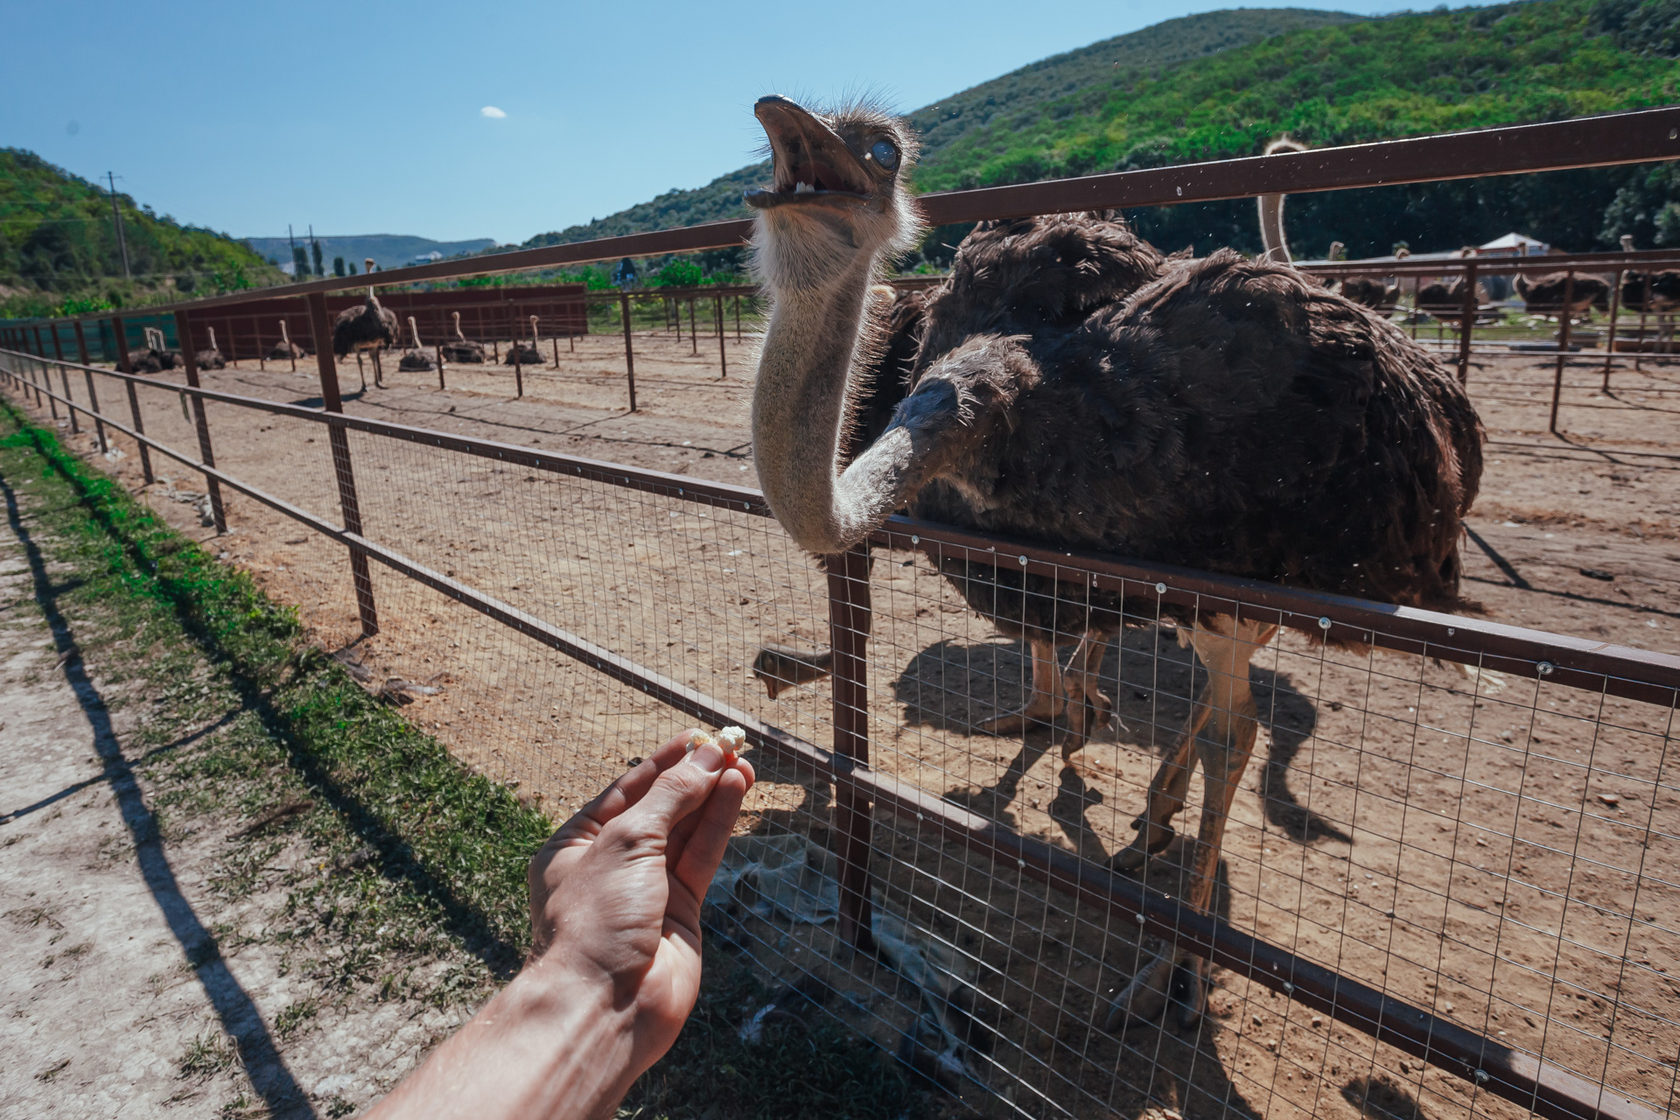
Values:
[(1600, 668)]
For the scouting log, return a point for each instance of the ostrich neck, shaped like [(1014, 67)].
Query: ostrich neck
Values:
[(799, 408)]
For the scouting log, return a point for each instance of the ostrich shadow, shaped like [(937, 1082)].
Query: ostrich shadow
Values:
[(953, 686)]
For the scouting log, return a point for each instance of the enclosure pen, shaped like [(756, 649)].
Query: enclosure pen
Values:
[(1453, 894)]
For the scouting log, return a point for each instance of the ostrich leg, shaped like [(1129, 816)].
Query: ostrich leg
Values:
[(1088, 705), (360, 372), (1221, 732), (1046, 701), (378, 371)]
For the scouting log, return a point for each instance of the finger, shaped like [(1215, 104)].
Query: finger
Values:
[(677, 792), (631, 786), (685, 827), (693, 870)]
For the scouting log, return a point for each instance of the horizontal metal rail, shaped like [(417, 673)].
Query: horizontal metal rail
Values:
[(1600, 667), (1514, 1075), (1612, 139)]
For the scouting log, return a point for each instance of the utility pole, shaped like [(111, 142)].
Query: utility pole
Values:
[(116, 214), (293, 242)]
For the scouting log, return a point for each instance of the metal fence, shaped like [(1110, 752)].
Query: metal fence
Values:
[(1449, 891)]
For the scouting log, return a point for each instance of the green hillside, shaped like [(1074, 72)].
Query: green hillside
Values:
[(58, 243), (1222, 84), (1086, 75)]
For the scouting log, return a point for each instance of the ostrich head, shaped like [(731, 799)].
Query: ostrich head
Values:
[(533, 330), (838, 195), (455, 317), (211, 331), (415, 331)]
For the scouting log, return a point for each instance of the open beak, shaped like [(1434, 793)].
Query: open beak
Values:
[(811, 164)]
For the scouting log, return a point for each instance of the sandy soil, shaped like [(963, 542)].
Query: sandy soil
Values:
[(1476, 848)]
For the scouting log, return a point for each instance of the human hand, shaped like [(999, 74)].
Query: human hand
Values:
[(616, 892)]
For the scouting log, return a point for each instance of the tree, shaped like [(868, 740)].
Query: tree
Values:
[(351, 267), (678, 274), (338, 266), (300, 262), (315, 248)]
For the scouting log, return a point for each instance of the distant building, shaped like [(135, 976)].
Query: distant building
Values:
[(434, 255)]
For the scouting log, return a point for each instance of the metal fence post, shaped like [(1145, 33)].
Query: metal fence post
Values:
[(1610, 336), (201, 421), (126, 366), (848, 628), (1471, 306), (723, 358), (1562, 347), (629, 350), (321, 328), (46, 375), (93, 396), (64, 376)]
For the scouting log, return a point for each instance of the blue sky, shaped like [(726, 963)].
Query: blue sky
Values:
[(367, 117)]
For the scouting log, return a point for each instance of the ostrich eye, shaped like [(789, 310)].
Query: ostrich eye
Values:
[(885, 153)]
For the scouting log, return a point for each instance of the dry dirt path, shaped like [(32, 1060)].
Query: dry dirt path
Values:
[(134, 983)]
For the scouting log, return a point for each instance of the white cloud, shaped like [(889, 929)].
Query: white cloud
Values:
[(492, 112)]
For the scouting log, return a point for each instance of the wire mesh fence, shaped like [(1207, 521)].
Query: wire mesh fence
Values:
[(1443, 885), (1481, 859)]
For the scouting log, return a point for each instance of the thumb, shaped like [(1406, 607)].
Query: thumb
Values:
[(680, 790)]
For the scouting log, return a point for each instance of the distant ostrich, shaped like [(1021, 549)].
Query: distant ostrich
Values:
[(211, 356), (460, 349), (286, 348), (1368, 291), (1545, 296), (1654, 293), (416, 359), (368, 327), (150, 357), (1271, 209), (1338, 252), (522, 353), (1445, 301), (1225, 414), (1627, 242)]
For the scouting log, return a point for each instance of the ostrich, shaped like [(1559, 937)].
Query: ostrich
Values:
[(211, 357), (1271, 209), (1545, 296), (368, 327), (149, 358), (415, 360), (460, 349), (521, 353), (1368, 291), (1227, 414), (1446, 301), (1654, 293), (286, 348)]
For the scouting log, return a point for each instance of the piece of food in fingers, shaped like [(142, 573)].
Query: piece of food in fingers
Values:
[(730, 740)]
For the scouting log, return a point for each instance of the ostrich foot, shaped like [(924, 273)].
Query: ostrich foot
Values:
[(1038, 712), (1152, 838), (1089, 710), (1173, 982)]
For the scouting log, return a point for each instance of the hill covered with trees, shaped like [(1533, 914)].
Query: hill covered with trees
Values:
[(59, 250), (1222, 84)]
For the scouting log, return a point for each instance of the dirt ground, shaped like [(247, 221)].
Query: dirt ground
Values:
[(1480, 848), (161, 957)]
